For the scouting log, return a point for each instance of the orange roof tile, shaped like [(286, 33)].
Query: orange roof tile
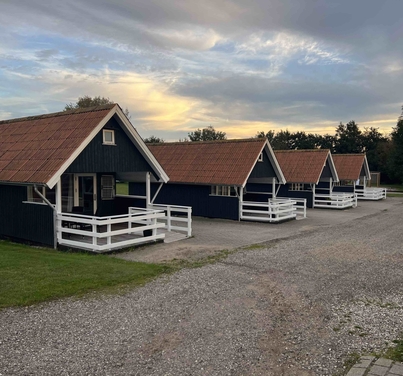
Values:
[(349, 166), (302, 166), (226, 162), (33, 149)]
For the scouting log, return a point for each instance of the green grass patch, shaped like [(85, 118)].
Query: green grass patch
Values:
[(254, 246), (31, 275), (395, 352), (122, 188)]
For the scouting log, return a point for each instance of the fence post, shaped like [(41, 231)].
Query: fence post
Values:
[(94, 238), (189, 224), (109, 229), (169, 218)]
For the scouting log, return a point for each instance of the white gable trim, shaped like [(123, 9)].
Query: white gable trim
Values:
[(366, 168), (139, 143), (332, 168), (273, 160)]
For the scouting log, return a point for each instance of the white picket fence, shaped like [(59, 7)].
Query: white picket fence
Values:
[(371, 193), (274, 210), (102, 234), (177, 218), (335, 200)]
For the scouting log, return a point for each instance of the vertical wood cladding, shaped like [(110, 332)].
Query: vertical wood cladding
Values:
[(26, 222), (122, 157), (263, 169), (196, 196)]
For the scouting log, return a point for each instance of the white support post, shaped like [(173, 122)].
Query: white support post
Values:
[(273, 188), (313, 195), (58, 208), (330, 186), (240, 202), (148, 190), (94, 238)]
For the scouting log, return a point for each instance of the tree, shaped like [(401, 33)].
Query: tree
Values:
[(396, 155), (374, 143), (269, 135), (87, 101), (348, 138), (153, 140), (207, 134)]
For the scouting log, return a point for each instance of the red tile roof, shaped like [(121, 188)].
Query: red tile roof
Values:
[(349, 166), (302, 166), (34, 148), (228, 162)]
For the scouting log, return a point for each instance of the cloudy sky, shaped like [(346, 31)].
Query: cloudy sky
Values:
[(178, 65)]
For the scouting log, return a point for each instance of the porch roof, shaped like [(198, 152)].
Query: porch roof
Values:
[(228, 162), (38, 149), (349, 166), (305, 166)]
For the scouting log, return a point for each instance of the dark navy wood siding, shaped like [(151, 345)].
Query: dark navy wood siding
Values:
[(343, 188), (124, 157), (263, 169), (26, 222), (196, 196), (326, 172)]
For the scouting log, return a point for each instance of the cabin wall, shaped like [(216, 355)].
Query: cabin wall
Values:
[(26, 222), (263, 169), (122, 157), (253, 192), (196, 196), (343, 188)]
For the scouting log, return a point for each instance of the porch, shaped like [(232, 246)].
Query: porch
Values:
[(274, 210), (335, 200), (371, 193), (139, 226)]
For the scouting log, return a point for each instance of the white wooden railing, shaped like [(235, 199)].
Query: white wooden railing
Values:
[(101, 234), (335, 200), (300, 206), (177, 218), (371, 193), (274, 210)]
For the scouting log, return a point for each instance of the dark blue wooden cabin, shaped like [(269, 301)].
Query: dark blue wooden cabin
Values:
[(214, 177), (68, 162)]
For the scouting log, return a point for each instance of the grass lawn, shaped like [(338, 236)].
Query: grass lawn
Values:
[(397, 187), (31, 275), (122, 188)]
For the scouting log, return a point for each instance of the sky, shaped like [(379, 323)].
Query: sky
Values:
[(179, 65)]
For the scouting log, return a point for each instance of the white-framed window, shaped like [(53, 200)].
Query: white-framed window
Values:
[(107, 187), (32, 195), (108, 137), (260, 159), (296, 187), (222, 190)]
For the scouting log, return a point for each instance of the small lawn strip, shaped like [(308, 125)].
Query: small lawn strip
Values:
[(31, 275)]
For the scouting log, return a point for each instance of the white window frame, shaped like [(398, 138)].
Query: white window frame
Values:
[(30, 195), (260, 159), (296, 186), (223, 191), (104, 140)]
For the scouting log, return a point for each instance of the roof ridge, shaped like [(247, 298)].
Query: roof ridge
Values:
[(234, 140), (61, 113), (301, 150)]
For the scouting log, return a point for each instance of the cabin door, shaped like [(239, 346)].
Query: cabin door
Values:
[(85, 193)]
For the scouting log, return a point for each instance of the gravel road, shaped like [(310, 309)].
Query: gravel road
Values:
[(295, 306)]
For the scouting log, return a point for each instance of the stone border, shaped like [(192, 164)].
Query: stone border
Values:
[(370, 366)]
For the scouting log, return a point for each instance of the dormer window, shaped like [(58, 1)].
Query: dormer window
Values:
[(108, 137)]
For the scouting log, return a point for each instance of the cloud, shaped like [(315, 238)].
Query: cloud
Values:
[(180, 65)]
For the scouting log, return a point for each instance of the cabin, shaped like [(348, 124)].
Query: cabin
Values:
[(311, 174), (58, 176), (354, 174), (213, 177)]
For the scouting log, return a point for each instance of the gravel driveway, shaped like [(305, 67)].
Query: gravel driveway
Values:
[(295, 306)]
